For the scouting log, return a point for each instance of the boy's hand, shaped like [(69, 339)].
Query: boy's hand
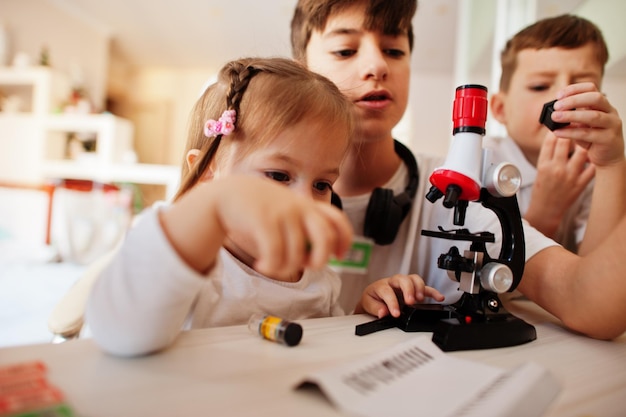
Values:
[(595, 124), (384, 296), (563, 172)]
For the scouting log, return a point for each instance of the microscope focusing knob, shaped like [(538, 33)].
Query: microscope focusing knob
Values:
[(496, 277)]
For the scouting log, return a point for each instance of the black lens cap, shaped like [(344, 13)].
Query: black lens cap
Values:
[(546, 117)]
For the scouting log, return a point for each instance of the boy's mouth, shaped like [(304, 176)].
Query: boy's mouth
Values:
[(376, 96)]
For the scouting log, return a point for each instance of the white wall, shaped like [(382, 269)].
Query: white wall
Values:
[(427, 123), (157, 93), (73, 45), (615, 90)]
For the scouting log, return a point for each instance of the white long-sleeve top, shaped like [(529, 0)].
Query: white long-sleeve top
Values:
[(148, 294)]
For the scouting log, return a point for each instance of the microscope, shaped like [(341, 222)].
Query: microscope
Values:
[(478, 319)]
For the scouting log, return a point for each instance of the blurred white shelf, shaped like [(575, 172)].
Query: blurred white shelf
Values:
[(40, 88), (167, 175), (114, 135), (34, 140)]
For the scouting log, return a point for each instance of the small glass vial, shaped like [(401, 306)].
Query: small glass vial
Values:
[(275, 329)]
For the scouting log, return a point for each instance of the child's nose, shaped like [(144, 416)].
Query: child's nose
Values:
[(562, 82), (374, 64), (308, 191), (304, 190)]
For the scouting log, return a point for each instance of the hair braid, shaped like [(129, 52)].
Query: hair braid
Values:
[(240, 76)]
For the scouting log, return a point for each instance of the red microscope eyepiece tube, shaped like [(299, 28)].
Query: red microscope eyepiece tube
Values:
[(469, 112)]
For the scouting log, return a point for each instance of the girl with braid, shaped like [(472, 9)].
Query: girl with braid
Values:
[(252, 228)]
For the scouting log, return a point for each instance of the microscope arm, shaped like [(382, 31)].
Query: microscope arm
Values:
[(512, 252)]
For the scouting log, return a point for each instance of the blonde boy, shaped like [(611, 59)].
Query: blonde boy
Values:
[(537, 63)]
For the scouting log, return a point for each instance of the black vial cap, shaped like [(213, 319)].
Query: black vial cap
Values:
[(293, 334)]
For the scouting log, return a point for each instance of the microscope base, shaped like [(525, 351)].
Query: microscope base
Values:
[(450, 334)]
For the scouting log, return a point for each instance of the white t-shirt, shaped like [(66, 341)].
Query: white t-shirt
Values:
[(573, 225), (413, 253), (148, 294)]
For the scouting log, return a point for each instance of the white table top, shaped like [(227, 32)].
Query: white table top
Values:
[(230, 372)]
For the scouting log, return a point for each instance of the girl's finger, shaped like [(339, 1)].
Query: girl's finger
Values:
[(321, 238), (294, 249), (270, 255), (342, 229)]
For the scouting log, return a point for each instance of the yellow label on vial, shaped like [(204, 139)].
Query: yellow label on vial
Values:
[(269, 327)]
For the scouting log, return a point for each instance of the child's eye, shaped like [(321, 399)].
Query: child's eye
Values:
[(344, 53), (277, 176), (323, 186), (538, 87), (397, 53)]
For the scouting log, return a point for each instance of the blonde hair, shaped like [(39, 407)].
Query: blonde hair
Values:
[(391, 17), (564, 31), (268, 95)]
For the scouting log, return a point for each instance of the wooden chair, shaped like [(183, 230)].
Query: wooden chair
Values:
[(67, 318)]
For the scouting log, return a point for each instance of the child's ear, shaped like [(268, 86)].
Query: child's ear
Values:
[(192, 156), (497, 107)]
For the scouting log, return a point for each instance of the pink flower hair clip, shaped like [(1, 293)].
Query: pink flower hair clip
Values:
[(224, 126)]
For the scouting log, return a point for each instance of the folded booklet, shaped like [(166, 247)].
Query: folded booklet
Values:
[(417, 378)]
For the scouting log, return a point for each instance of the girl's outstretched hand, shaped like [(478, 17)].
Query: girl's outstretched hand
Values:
[(264, 224), (384, 296)]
